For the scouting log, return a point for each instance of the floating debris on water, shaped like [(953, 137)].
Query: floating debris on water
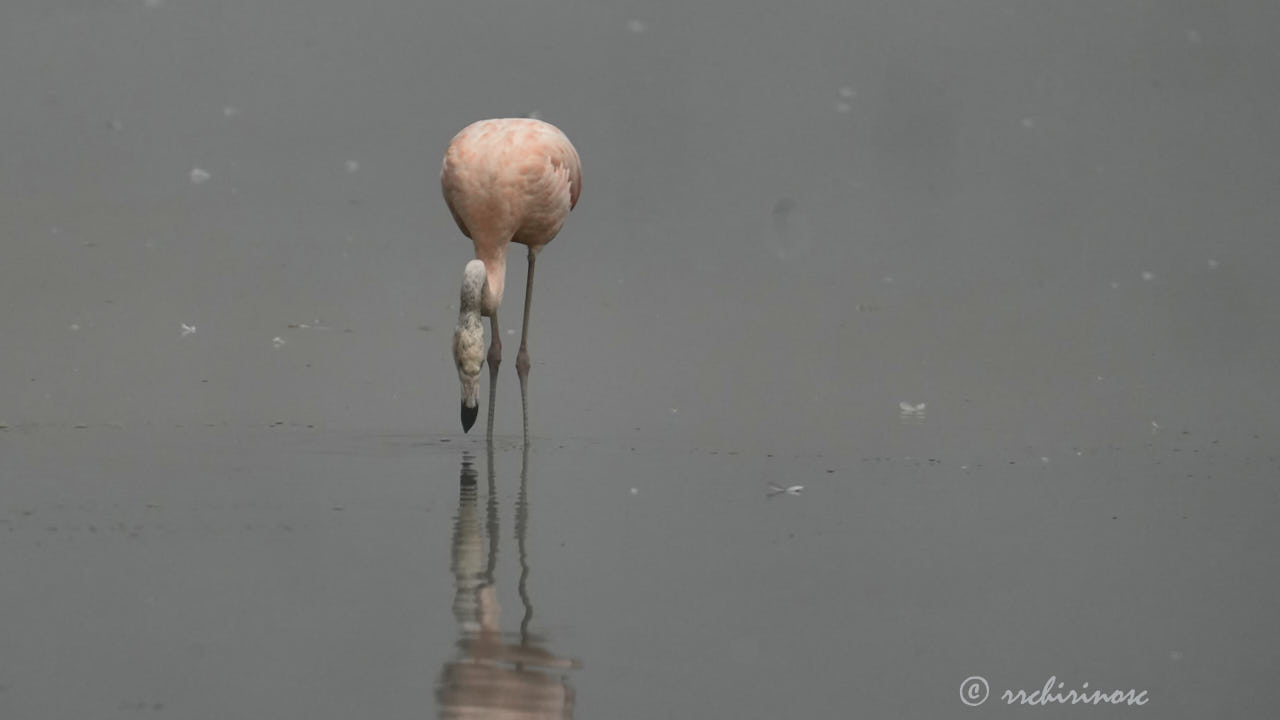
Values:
[(313, 325), (277, 341), (75, 327), (188, 329), (1148, 275), (198, 175), (910, 413), (776, 489)]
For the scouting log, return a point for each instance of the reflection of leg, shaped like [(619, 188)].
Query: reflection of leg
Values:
[(491, 514), (522, 357), (522, 532), (494, 359)]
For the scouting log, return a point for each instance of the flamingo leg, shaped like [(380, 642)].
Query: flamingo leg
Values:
[(522, 357), (494, 359)]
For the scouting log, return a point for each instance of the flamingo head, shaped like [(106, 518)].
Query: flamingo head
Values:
[(468, 341)]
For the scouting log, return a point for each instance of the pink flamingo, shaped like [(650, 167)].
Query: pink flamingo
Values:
[(504, 180)]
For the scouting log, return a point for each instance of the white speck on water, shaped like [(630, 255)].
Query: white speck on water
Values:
[(198, 176), (776, 489), (1194, 37), (674, 411), (1148, 275), (351, 166), (911, 413), (75, 327), (230, 111), (637, 26), (277, 341), (511, 331), (843, 107), (635, 491), (1155, 427), (1028, 122), (848, 92), (188, 329), (1213, 264), (1044, 460)]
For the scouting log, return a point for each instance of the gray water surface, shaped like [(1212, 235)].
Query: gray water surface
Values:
[(989, 287)]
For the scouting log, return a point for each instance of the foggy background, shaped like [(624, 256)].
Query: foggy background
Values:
[(1053, 224)]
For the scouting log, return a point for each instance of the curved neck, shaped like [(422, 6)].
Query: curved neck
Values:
[(494, 257), (471, 301)]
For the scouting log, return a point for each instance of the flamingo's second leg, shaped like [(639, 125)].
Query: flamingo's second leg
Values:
[(522, 357), (494, 359)]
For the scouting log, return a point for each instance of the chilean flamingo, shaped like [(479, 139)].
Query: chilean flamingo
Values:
[(514, 179)]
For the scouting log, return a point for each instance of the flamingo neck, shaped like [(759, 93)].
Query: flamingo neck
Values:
[(495, 264), (471, 301)]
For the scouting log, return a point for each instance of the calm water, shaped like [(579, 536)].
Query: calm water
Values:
[(989, 287)]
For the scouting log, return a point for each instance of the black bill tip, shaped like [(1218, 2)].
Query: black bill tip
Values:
[(469, 416)]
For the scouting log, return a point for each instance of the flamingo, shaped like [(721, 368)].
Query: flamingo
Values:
[(511, 179)]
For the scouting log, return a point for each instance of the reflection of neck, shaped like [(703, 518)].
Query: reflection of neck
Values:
[(468, 549)]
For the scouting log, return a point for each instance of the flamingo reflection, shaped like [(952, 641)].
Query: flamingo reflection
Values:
[(496, 674)]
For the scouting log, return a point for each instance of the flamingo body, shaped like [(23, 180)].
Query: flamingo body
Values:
[(504, 180)]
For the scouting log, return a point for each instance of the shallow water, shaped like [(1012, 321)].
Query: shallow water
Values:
[(890, 345), (295, 572)]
